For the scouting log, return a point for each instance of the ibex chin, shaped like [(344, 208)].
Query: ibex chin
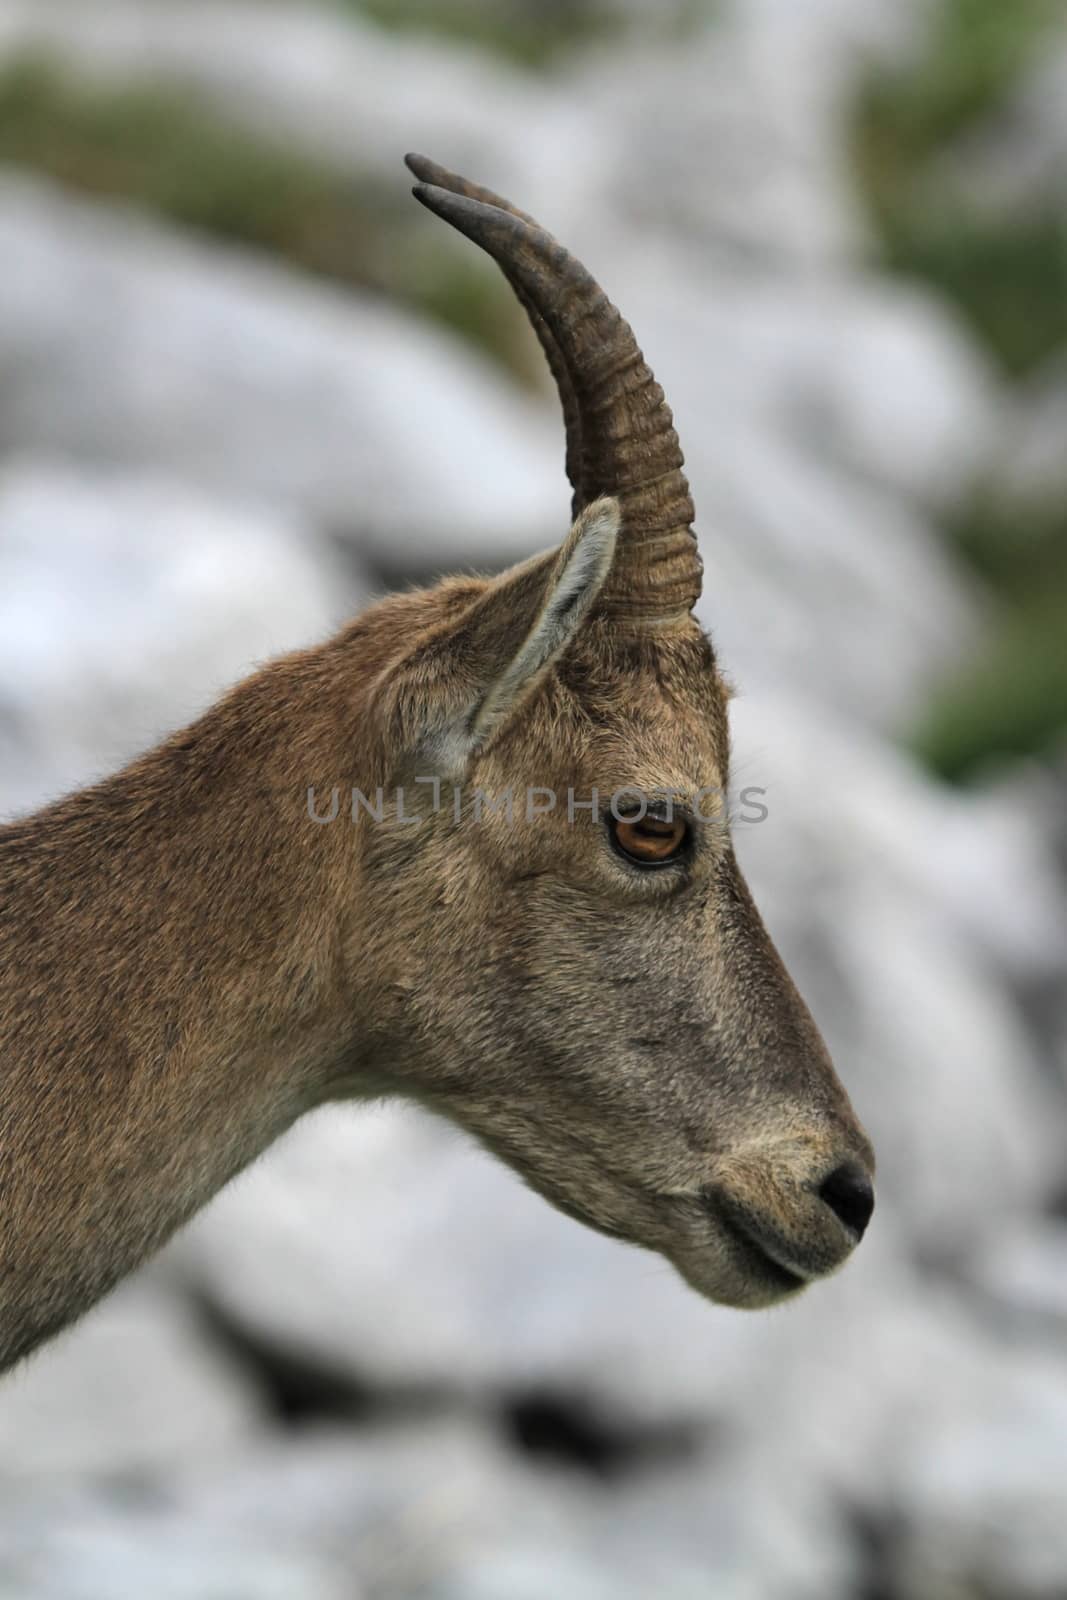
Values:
[(190, 958)]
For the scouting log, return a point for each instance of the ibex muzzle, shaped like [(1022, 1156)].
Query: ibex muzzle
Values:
[(535, 924)]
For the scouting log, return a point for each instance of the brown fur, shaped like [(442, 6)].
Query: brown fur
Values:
[(188, 962)]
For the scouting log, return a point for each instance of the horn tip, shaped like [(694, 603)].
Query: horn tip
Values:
[(430, 196), (472, 217)]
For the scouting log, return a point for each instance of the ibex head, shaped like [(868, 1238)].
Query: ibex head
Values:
[(591, 992)]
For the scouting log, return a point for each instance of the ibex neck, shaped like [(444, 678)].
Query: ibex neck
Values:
[(170, 991)]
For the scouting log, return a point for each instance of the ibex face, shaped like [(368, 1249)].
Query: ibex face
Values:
[(591, 991)]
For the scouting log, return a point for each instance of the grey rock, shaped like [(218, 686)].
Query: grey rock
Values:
[(394, 1277), (732, 136), (248, 382), (137, 1389), (755, 96), (1021, 1275), (876, 884), (1012, 167), (978, 1501), (438, 1510), (120, 1554), (252, 385), (799, 561), (822, 422), (129, 602), (330, 83)]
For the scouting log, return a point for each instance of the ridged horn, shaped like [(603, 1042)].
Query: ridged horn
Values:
[(439, 177), (620, 431)]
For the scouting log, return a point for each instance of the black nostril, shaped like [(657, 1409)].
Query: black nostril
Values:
[(850, 1195)]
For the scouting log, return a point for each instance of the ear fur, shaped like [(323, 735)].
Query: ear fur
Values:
[(479, 669), (577, 576)]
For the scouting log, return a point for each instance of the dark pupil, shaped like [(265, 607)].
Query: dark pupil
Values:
[(656, 826)]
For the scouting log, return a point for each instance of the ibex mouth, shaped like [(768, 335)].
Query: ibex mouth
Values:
[(757, 1257), (794, 1232)]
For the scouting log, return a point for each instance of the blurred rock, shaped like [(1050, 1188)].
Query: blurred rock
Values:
[(877, 885), (1015, 165), (875, 382), (954, 1446), (978, 1500), (943, 1436), (443, 1511), (330, 83), (750, 101), (120, 1552), (129, 602), (394, 1277), (138, 1388), (358, 420), (1021, 1276), (733, 137), (247, 381), (798, 562), (822, 424), (820, 406)]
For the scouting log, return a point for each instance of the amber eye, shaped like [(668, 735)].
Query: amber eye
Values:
[(649, 841)]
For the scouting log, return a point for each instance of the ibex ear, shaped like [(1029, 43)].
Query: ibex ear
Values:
[(575, 580), (512, 634)]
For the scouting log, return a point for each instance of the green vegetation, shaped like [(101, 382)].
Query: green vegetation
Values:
[(976, 53), (1008, 278), (159, 149), (1012, 702), (525, 36), (1011, 284), (533, 34), (1019, 555)]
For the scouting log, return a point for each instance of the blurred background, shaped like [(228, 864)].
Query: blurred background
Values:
[(247, 384)]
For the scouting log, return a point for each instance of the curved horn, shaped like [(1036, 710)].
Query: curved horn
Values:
[(439, 177), (620, 428)]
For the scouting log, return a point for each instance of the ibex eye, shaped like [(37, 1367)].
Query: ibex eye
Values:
[(649, 841)]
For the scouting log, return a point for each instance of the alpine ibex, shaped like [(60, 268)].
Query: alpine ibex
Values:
[(190, 958)]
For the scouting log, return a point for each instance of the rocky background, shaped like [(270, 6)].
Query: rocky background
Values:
[(245, 383)]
